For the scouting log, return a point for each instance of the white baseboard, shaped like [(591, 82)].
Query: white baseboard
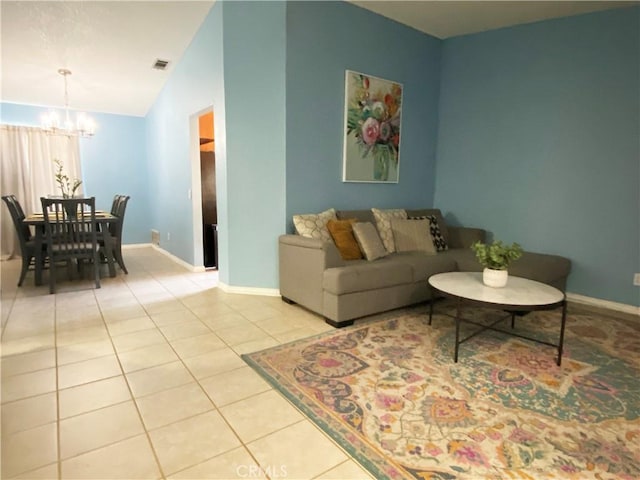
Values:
[(597, 302), (131, 246), (179, 261), (267, 292)]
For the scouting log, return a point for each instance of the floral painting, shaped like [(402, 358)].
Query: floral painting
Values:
[(373, 108)]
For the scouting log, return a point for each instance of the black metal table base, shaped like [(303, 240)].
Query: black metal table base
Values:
[(459, 319)]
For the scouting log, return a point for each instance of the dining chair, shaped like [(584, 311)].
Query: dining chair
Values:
[(115, 203), (118, 209), (27, 243), (71, 233)]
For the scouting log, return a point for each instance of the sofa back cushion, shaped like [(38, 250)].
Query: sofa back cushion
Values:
[(360, 215)]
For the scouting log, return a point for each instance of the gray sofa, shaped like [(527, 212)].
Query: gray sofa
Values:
[(314, 275)]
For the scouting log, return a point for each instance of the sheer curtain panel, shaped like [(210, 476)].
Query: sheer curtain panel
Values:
[(27, 171)]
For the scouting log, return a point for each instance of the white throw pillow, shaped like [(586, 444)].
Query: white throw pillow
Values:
[(383, 221), (314, 225)]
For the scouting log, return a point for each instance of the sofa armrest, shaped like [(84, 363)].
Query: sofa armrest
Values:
[(302, 262), (329, 251), (464, 237)]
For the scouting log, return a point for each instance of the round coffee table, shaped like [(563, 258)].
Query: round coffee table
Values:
[(520, 295)]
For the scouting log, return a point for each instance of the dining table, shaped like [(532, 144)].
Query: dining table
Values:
[(103, 219)]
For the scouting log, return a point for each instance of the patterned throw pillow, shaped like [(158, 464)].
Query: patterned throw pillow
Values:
[(383, 221), (342, 233), (412, 236), (438, 240), (369, 240), (314, 225)]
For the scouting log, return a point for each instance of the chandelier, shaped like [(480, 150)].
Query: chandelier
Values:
[(53, 125)]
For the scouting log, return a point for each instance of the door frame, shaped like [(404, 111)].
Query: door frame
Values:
[(196, 187)]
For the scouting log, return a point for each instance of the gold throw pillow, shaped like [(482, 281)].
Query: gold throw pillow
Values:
[(342, 233)]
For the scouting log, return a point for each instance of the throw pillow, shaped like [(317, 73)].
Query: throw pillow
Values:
[(412, 236), (314, 225), (383, 221), (342, 233), (438, 240), (369, 240)]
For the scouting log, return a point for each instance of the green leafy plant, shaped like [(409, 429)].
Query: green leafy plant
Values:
[(497, 255), (65, 184)]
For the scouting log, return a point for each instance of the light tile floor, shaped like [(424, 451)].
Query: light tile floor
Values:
[(143, 378)]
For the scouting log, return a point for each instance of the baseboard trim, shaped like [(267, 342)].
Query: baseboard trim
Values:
[(597, 302), (131, 246), (179, 261), (266, 292)]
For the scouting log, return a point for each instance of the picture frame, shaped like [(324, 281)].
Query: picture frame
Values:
[(372, 126)]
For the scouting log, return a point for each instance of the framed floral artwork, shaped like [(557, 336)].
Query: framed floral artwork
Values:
[(372, 118)]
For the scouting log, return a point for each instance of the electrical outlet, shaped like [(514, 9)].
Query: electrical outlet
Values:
[(168, 236), (636, 279)]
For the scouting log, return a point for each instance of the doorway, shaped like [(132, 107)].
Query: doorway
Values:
[(208, 190)]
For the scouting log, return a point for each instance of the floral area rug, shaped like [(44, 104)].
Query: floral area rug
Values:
[(389, 393)]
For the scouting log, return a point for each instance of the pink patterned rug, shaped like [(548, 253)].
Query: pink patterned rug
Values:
[(389, 393)]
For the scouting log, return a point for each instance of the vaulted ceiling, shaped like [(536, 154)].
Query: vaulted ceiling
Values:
[(110, 46)]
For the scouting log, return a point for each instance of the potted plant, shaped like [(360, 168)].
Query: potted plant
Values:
[(66, 186), (495, 258)]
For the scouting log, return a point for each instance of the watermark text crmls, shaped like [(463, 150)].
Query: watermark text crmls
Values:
[(255, 471)]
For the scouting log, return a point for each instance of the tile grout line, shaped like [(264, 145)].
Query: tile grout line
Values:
[(166, 287), (126, 380), (224, 418), (215, 406), (55, 346), (13, 302)]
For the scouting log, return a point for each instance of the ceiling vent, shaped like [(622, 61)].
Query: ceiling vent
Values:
[(161, 64)]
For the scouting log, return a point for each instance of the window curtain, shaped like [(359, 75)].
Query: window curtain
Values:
[(27, 170)]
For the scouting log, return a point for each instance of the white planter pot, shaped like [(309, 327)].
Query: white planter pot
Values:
[(495, 278)]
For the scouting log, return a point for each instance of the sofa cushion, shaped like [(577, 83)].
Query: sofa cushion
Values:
[(549, 269), (423, 266), (369, 240), (360, 215), (412, 236), (465, 259), (464, 237), (314, 225), (342, 233), (383, 222), (362, 276)]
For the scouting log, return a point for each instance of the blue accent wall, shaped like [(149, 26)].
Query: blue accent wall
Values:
[(113, 162), (539, 143), (323, 40)]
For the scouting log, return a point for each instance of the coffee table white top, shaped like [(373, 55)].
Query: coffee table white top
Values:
[(518, 291)]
